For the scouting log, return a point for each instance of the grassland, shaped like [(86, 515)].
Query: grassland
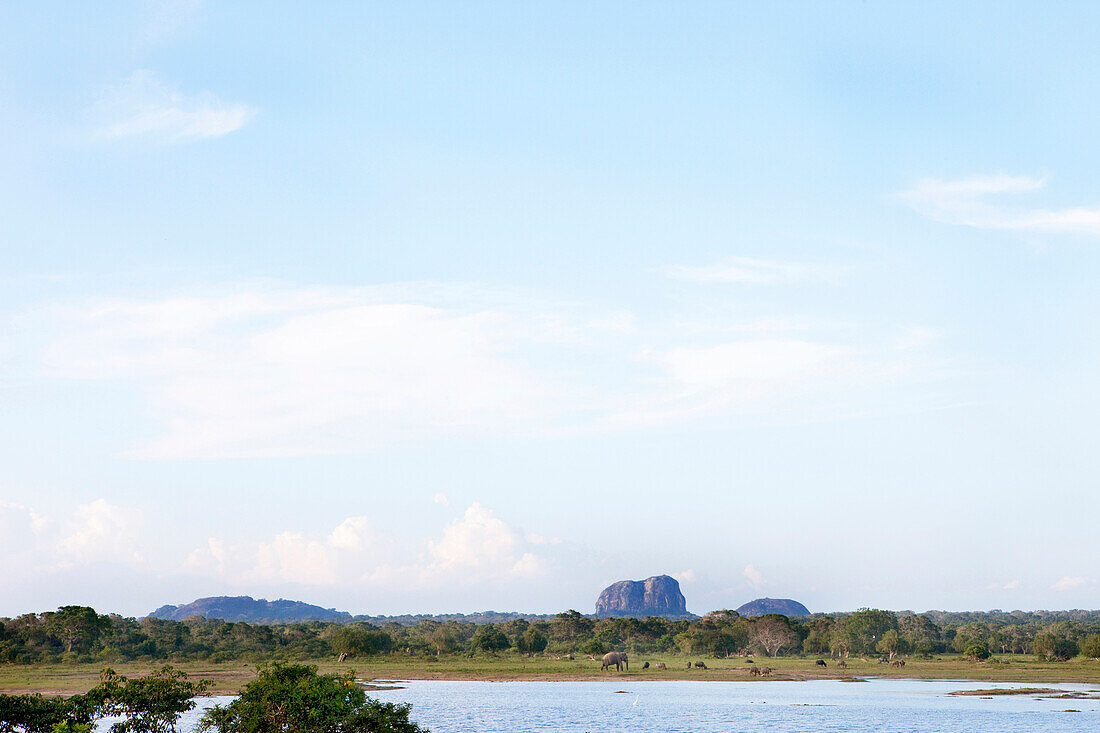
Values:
[(229, 677)]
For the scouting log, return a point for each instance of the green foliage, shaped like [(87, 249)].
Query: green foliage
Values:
[(359, 639), (1090, 646), (976, 652), (488, 638), (531, 641), (70, 727), (288, 698), (75, 625), (862, 630), (150, 704), (1054, 647), (38, 714), (892, 644), (46, 637)]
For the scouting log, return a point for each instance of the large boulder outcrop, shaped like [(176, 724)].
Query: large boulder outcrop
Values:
[(784, 606), (246, 608), (656, 596)]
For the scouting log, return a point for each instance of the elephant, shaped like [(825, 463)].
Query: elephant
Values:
[(616, 658), (821, 663)]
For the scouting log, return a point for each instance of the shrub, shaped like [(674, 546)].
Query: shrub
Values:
[(976, 652), (296, 698)]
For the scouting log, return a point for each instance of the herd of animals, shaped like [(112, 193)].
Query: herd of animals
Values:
[(619, 661)]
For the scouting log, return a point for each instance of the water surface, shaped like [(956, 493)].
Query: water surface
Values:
[(886, 705)]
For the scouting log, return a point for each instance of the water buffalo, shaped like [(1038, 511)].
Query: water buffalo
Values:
[(616, 658), (645, 666), (821, 663), (661, 665), (701, 665)]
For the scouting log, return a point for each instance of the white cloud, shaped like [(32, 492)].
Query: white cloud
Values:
[(441, 498), (143, 106), (101, 532), (966, 202), (1067, 583), (754, 576), (279, 371), (473, 548), (94, 533), (1010, 585), (755, 271)]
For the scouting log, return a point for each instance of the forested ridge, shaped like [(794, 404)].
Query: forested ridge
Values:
[(80, 634)]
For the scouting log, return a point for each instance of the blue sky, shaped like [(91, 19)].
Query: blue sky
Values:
[(425, 308)]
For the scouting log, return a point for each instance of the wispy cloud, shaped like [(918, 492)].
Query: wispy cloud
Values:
[(145, 107), (755, 271), (973, 202), (1069, 582), (283, 371)]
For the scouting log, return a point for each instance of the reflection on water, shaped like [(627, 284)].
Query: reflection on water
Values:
[(905, 706)]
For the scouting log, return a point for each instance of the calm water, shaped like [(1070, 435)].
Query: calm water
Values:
[(905, 706)]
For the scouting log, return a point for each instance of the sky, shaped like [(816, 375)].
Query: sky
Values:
[(428, 308)]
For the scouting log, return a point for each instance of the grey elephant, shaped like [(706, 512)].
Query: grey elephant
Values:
[(616, 658)]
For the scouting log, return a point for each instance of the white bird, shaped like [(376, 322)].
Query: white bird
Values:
[(636, 698)]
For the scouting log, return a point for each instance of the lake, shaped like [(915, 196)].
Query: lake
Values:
[(881, 705)]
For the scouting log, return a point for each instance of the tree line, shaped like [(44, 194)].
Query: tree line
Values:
[(80, 634)]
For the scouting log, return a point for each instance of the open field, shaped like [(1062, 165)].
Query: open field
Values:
[(229, 677)]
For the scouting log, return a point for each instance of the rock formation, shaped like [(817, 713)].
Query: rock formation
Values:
[(784, 606), (246, 608), (656, 596)]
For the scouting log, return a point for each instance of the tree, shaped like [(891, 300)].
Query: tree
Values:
[(572, 627), (38, 714), (773, 633), (352, 640), (150, 704), (489, 638), (75, 624), (891, 644), (866, 627), (976, 652), (1054, 647), (531, 641), (294, 697)]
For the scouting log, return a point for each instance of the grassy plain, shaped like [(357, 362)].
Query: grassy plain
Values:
[(229, 677)]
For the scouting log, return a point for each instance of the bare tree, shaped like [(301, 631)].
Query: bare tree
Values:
[(773, 634)]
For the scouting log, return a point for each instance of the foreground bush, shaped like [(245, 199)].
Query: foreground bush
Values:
[(295, 698), (150, 704)]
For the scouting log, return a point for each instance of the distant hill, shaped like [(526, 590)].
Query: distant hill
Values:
[(784, 606), (656, 596), (247, 608)]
